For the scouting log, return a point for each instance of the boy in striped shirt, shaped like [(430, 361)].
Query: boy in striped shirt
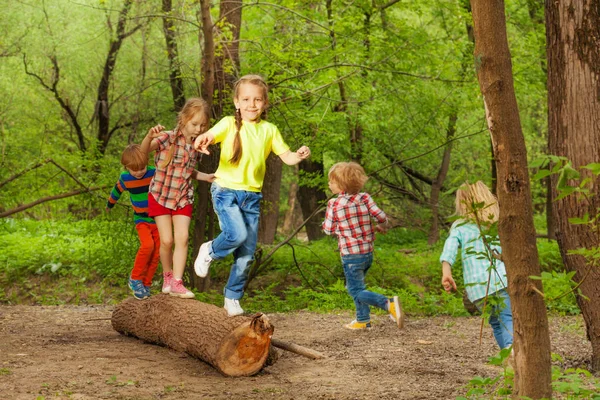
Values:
[(136, 180), (350, 216)]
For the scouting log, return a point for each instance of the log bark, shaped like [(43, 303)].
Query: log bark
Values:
[(235, 346)]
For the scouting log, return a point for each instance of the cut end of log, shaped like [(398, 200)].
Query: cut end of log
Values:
[(244, 351)]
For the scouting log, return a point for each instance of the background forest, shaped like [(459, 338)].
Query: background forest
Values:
[(390, 84)]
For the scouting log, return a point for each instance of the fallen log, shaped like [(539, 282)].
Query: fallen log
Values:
[(235, 346)]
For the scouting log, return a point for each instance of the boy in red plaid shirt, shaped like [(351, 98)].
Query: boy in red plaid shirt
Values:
[(349, 217)]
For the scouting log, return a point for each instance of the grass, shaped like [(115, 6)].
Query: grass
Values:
[(88, 262)]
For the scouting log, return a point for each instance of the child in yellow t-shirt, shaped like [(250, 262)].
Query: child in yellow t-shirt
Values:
[(246, 142)]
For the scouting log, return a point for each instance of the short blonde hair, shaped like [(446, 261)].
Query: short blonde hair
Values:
[(350, 177), (475, 202), (134, 158)]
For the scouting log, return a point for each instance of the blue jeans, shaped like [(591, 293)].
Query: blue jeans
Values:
[(501, 319), (238, 212), (355, 269)]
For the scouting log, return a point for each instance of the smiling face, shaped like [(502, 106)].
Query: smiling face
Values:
[(251, 101), (195, 127)]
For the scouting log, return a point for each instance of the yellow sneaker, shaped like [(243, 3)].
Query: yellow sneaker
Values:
[(354, 325), (395, 310)]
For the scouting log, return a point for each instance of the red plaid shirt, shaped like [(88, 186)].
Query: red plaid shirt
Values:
[(349, 218), (172, 187)]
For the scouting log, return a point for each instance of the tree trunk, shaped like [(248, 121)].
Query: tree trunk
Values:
[(438, 182), (208, 57), (517, 233), (102, 111), (235, 346), (269, 207), (293, 216), (227, 61), (573, 43), (173, 55), (312, 198)]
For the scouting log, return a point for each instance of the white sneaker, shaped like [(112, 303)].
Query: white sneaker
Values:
[(233, 307), (203, 260)]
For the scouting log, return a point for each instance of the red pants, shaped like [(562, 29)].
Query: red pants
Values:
[(148, 255)]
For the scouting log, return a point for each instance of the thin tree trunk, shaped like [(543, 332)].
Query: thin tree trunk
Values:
[(573, 43), (312, 198), (175, 80), (102, 111), (293, 217), (269, 207), (517, 233), (438, 182), (227, 62)]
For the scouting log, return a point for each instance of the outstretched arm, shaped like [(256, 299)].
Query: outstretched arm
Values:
[(149, 144), (203, 141), (201, 176), (291, 158)]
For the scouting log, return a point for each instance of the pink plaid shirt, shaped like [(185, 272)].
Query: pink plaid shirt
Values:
[(172, 187), (349, 218)]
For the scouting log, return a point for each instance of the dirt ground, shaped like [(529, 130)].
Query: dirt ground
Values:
[(72, 352)]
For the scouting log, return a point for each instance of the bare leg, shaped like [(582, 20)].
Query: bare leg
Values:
[(164, 224), (181, 227)]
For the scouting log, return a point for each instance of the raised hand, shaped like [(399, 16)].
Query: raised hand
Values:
[(303, 152), (155, 131)]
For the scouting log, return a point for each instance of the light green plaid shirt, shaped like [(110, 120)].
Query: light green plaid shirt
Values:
[(476, 265)]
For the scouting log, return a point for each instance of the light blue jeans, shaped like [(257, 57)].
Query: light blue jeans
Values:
[(238, 212), (355, 269), (501, 319)]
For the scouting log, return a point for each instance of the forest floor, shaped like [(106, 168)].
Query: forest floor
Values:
[(72, 352)]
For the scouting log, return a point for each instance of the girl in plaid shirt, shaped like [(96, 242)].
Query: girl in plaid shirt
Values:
[(171, 193), (349, 217), (484, 275)]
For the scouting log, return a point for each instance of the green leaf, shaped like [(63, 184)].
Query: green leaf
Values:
[(594, 167)]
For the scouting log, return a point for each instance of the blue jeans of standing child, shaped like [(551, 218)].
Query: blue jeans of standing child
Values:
[(501, 319), (355, 269), (238, 212)]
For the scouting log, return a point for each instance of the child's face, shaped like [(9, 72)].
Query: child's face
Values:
[(195, 126), (137, 174), (251, 101), (335, 189)]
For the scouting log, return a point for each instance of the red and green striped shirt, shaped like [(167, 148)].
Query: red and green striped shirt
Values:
[(138, 193)]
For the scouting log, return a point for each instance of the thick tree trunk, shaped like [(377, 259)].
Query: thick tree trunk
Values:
[(312, 198), (235, 346), (517, 233), (573, 43), (269, 208)]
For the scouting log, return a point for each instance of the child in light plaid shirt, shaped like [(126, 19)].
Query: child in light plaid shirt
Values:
[(171, 193), (484, 276), (349, 217)]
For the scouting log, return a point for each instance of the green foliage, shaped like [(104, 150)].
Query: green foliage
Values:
[(569, 383)]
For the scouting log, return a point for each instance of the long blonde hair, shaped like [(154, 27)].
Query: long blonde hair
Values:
[(237, 142), (191, 107), (476, 203)]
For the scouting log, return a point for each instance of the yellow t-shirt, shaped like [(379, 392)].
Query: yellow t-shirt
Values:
[(258, 141)]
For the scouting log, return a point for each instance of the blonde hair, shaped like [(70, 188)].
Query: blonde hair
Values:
[(134, 158), (237, 142), (350, 177), (475, 202), (193, 106)]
